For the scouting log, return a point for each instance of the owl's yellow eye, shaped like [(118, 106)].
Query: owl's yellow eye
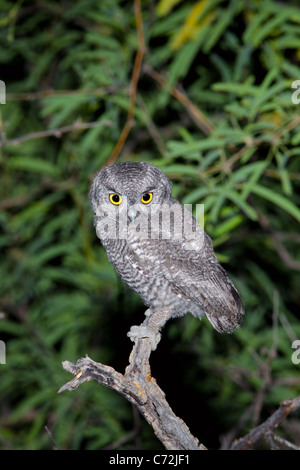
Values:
[(147, 197), (115, 199)]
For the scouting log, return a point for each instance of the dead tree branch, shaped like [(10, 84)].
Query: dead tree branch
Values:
[(266, 429), (140, 389)]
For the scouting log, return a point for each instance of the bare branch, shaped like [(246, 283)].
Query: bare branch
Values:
[(55, 447), (285, 442), (256, 434), (140, 389)]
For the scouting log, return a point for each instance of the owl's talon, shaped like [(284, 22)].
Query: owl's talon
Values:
[(144, 332)]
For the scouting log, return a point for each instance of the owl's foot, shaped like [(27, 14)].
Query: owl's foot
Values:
[(144, 332)]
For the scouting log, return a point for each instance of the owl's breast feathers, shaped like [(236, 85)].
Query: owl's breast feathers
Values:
[(193, 274)]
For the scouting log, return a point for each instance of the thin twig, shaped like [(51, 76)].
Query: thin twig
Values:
[(55, 446), (196, 115), (129, 436), (285, 442), (153, 131), (76, 126), (269, 436), (39, 95), (284, 255), (256, 434), (133, 84), (290, 332), (226, 439), (265, 367), (46, 183), (139, 388)]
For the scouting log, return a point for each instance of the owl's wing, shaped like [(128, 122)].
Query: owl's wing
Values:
[(196, 275)]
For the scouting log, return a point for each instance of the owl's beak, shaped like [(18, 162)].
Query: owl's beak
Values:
[(132, 214)]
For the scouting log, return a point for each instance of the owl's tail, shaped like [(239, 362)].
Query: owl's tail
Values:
[(230, 314)]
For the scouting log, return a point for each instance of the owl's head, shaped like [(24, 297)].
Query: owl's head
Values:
[(132, 186)]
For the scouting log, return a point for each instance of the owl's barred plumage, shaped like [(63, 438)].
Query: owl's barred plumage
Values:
[(159, 250)]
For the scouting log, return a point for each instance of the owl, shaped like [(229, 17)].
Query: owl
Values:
[(160, 251)]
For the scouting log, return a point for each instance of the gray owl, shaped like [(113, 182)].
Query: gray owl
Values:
[(160, 251)]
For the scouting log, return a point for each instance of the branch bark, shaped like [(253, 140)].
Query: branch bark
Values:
[(267, 428), (139, 388)]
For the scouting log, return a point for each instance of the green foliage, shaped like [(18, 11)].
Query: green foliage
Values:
[(233, 145)]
